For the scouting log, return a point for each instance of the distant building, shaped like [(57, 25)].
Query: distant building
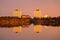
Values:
[(37, 13), (17, 13), (25, 16)]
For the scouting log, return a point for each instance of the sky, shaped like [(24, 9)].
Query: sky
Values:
[(27, 7)]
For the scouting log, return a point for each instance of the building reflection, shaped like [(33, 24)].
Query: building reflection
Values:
[(17, 29), (37, 28)]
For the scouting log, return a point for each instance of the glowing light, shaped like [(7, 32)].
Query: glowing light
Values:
[(45, 26), (37, 13), (17, 13), (37, 28), (46, 16), (17, 29)]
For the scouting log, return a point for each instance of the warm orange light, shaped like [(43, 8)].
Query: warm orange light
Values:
[(37, 13), (17, 13), (46, 16), (45, 26), (17, 29), (37, 28)]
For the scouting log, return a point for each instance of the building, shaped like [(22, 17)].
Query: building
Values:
[(37, 13), (17, 13), (25, 16)]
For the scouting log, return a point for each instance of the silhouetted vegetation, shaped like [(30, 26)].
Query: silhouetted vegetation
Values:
[(16, 21)]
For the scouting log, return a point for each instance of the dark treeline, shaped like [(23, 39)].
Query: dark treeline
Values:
[(16, 21), (49, 21)]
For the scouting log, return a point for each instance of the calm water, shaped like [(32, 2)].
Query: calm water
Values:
[(50, 33)]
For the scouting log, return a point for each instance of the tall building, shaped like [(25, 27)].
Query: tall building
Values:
[(37, 13), (17, 13)]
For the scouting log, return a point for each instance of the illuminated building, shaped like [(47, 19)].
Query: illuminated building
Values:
[(37, 13), (17, 13)]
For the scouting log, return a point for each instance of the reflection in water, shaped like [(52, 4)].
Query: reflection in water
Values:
[(37, 28), (17, 29), (45, 26)]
